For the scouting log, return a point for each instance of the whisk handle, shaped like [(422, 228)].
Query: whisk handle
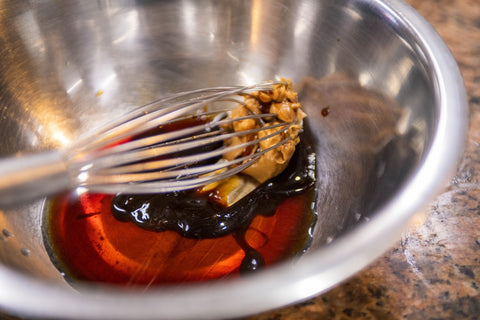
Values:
[(31, 177)]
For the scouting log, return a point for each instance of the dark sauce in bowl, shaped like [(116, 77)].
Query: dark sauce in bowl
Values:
[(183, 236)]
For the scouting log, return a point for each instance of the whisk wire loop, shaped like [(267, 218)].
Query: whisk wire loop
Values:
[(179, 159), (127, 156)]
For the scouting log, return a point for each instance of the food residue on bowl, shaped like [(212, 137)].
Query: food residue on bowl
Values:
[(283, 102)]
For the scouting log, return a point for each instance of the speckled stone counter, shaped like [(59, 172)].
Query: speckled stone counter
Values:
[(433, 272)]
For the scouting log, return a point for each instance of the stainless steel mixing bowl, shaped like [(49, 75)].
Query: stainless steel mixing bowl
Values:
[(66, 66)]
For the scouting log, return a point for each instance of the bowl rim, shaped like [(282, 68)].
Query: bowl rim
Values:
[(314, 273)]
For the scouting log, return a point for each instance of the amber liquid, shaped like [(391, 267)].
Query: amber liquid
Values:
[(88, 243)]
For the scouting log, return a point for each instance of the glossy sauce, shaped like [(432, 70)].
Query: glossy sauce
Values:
[(92, 240), (325, 111)]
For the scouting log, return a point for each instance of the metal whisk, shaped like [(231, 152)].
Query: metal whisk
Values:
[(108, 161)]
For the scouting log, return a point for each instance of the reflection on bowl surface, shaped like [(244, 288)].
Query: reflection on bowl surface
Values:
[(386, 111)]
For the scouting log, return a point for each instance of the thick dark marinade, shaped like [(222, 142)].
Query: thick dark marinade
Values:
[(193, 216), (183, 237)]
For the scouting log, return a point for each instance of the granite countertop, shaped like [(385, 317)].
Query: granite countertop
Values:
[(433, 271)]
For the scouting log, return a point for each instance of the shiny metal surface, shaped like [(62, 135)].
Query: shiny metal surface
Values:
[(67, 66)]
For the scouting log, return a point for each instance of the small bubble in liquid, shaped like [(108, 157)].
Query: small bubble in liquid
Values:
[(26, 252)]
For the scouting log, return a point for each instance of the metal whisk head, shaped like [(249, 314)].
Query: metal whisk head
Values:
[(181, 157)]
